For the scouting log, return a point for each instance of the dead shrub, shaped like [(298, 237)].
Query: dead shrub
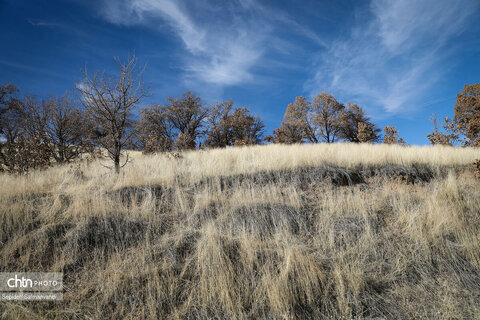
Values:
[(476, 168)]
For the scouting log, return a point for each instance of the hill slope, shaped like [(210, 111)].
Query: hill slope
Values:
[(311, 231)]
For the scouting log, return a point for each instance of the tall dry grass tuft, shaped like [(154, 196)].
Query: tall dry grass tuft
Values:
[(272, 232)]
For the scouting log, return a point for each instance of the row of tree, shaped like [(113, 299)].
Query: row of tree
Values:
[(35, 133), (184, 121), (324, 119)]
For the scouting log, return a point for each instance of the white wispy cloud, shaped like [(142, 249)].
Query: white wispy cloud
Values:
[(284, 18), (192, 35), (43, 23), (394, 57), (403, 25), (222, 51), (225, 42)]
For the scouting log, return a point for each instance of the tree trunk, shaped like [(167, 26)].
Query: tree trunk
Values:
[(117, 164)]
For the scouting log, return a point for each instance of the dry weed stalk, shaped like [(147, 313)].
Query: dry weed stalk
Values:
[(172, 155)]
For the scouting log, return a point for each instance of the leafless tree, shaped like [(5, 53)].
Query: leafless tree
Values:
[(110, 102), (24, 144), (67, 128), (11, 113), (12, 118)]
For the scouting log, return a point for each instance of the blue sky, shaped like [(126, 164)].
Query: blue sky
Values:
[(400, 59)]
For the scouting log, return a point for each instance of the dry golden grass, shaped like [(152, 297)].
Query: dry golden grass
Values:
[(275, 232)]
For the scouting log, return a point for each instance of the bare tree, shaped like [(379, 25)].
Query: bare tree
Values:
[(25, 144), (67, 128), (12, 118), (110, 102), (7, 91), (11, 113)]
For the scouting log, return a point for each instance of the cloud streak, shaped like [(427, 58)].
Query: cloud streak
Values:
[(225, 42), (42, 23), (221, 52), (391, 60)]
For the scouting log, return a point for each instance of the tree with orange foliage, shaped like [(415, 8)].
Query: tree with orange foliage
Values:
[(391, 136), (467, 114)]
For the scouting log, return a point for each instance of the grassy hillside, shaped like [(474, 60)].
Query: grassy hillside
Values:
[(276, 232)]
